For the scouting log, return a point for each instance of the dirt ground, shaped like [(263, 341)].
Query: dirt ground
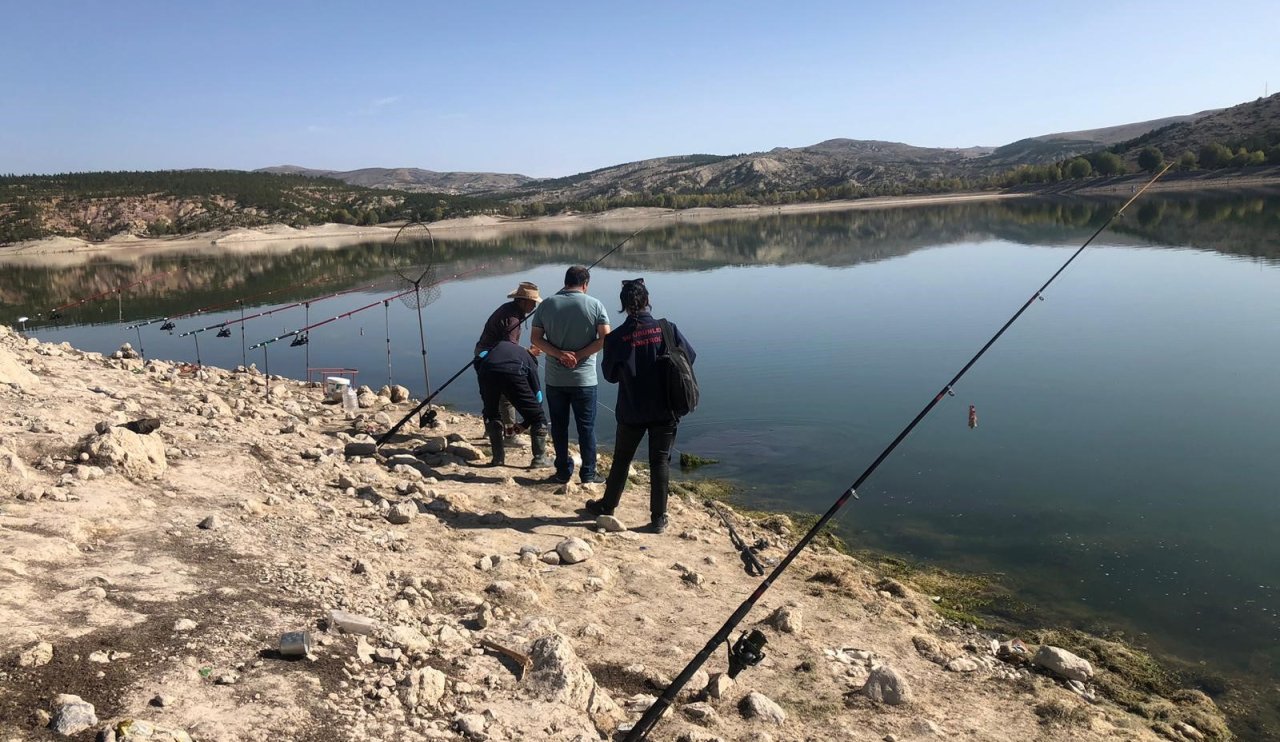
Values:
[(152, 617)]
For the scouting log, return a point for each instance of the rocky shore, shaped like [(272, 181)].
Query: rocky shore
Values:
[(148, 573)]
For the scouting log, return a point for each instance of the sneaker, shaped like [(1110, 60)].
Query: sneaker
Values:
[(596, 507), (593, 479), (515, 441), (559, 479), (659, 524)]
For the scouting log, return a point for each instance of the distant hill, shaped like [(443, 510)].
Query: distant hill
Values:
[(412, 179), (1254, 125)]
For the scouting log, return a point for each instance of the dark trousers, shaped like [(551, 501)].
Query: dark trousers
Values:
[(515, 388), (662, 436), (581, 401)]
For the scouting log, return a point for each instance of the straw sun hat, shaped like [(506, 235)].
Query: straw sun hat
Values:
[(526, 290)]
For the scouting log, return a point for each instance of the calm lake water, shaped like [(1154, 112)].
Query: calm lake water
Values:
[(1124, 475)]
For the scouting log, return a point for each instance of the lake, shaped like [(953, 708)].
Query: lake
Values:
[(1123, 476)]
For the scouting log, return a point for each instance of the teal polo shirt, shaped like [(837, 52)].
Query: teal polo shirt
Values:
[(568, 321)]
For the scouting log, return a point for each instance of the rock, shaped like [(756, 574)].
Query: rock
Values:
[(387, 656), (126, 352), (893, 587), (787, 619), (366, 400), (136, 456), (382, 420), (1063, 663), (551, 557), (573, 551), (402, 512), (961, 664), (162, 701), (558, 676), (471, 726), (888, 686), (701, 713), (37, 655), (227, 678), (211, 523), (610, 523), (425, 687), (99, 657), (465, 451), (134, 730), (352, 623), (758, 706), (399, 394), (487, 563), (719, 686), (184, 624), (72, 715), (360, 448)]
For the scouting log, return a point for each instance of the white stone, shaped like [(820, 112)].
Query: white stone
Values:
[(352, 623), (888, 686), (758, 706), (1063, 663), (573, 551)]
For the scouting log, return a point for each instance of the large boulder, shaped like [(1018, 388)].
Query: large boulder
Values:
[(573, 550), (137, 456), (558, 676), (13, 472), (72, 715), (886, 685), (13, 372), (759, 706), (1064, 664)]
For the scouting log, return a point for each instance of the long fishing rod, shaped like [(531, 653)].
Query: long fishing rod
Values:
[(747, 649), (224, 304), (301, 333), (56, 312), (396, 428), (306, 302)]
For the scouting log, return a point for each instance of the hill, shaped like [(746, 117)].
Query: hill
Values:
[(411, 179)]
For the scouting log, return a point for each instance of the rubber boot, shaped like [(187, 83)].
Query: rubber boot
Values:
[(496, 434), (538, 439)]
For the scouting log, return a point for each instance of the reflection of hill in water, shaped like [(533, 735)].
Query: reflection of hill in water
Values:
[(1230, 223)]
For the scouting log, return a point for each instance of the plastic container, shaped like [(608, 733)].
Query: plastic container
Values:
[(349, 401), (334, 386)]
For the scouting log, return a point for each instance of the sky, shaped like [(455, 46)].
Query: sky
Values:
[(560, 87)]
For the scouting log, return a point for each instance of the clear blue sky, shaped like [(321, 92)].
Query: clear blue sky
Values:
[(554, 88)]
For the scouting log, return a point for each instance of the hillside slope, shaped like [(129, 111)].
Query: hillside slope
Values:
[(412, 179)]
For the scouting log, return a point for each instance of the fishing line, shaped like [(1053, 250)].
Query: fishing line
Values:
[(396, 428), (651, 716), (56, 313)]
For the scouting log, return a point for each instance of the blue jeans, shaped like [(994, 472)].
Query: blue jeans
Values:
[(582, 401)]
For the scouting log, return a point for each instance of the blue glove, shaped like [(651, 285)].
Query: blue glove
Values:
[(483, 353), (539, 397)]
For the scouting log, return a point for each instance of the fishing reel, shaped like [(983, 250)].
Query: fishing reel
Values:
[(299, 339), (224, 332), (168, 326), (428, 419), (747, 651)]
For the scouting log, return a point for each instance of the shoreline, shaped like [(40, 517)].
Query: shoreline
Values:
[(299, 516), (279, 237)]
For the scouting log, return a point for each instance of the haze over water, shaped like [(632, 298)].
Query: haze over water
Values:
[(1123, 475)]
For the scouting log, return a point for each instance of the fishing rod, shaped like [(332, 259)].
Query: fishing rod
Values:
[(306, 302), (747, 648), (300, 335), (56, 312), (396, 428), (747, 553), (224, 304)]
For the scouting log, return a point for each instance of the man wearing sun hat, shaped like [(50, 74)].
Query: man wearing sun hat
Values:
[(504, 325)]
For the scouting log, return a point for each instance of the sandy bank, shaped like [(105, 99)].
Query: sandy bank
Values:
[(152, 575)]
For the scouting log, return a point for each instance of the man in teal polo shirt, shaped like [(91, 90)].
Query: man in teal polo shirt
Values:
[(570, 328)]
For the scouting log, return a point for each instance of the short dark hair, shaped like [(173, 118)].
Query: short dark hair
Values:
[(634, 296), (577, 276)]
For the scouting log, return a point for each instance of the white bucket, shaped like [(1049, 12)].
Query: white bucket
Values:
[(334, 386)]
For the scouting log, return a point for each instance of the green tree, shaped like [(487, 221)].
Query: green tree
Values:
[(1079, 168), (1150, 159), (1187, 161), (1108, 163), (1214, 155)]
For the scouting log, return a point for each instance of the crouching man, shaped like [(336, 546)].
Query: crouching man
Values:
[(509, 370)]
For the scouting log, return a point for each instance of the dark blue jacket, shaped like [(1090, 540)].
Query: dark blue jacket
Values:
[(508, 358), (631, 361)]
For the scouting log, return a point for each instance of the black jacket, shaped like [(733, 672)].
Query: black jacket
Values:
[(631, 361), (508, 358)]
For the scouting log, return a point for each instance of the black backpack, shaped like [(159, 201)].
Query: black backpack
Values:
[(677, 374)]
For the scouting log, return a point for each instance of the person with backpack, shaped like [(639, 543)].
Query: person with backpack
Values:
[(652, 364)]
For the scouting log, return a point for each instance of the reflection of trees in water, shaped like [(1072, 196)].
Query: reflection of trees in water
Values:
[(1230, 223)]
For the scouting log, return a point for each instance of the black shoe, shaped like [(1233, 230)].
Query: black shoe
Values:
[(659, 524), (593, 479), (559, 479), (596, 507)]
